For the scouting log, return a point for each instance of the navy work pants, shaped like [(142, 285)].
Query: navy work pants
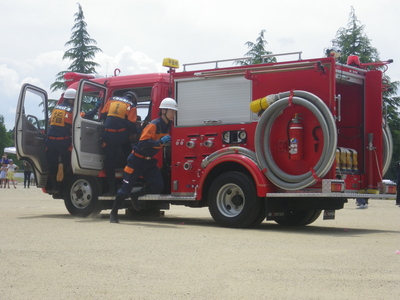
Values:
[(115, 144), (58, 151), (136, 168)]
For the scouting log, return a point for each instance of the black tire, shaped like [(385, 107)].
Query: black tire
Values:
[(81, 196), (233, 201), (261, 216), (300, 218)]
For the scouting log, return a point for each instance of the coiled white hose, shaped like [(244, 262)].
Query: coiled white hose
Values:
[(387, 149), (262, 144)]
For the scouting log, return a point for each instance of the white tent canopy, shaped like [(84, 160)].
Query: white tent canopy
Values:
[(10, 150)]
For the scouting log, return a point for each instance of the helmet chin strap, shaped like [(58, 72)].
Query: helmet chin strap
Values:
[(164, 117)]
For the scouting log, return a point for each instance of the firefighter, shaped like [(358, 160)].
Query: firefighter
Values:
[(58, 140), (333, 52), (120, 122), (91, 114), (141, 162)]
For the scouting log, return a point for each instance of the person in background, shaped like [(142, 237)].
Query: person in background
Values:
[(10, 173), (3, 175), (120, 117), (33, 179), (4, 159), (58, 140), (141, 162), (27, 173), (362, 203)]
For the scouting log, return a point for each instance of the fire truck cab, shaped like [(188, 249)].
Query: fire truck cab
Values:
[(278, 141)]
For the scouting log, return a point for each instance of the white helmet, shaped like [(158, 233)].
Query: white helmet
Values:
[(70, 94), (169, 103)]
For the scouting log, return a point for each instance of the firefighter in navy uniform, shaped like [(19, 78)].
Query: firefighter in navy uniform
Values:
[(120, 122), (141, 162), (58, 140)]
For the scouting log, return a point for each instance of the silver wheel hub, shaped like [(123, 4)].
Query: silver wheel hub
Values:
[(81, 194), (230, 200)]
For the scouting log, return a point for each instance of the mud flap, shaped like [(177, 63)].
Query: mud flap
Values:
[(329, 215)]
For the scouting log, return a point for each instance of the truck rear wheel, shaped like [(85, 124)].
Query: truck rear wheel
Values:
[(300, 218), (81, 196), (233, 201)]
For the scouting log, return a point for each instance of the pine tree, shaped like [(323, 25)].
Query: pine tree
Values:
[(82, 52), (353, 41), (257, 51), (5, 141)]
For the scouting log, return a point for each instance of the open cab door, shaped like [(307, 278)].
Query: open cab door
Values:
[(31, 120), (87, 129)]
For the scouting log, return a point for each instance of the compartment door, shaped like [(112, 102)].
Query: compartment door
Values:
[(31, 121), (87, 154)]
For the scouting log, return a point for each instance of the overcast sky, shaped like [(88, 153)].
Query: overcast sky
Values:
[(135, 35)]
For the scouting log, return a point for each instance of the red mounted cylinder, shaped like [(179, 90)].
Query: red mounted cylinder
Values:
[(296, 139)]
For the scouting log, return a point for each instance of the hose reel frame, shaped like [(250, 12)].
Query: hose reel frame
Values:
[(262, 145)]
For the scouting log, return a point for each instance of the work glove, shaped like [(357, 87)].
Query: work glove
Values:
[(165, 139)]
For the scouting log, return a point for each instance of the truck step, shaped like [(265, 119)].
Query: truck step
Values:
[(156, 197)]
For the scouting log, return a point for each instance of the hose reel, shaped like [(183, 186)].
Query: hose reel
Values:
[(387, 149), (262, 143)]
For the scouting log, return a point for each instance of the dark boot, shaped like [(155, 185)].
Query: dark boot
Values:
[(114, 211), (135, 203), (52, 185), (135, 198), (114, 216)]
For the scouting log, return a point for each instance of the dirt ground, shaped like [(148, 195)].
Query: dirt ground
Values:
[(47, 254)]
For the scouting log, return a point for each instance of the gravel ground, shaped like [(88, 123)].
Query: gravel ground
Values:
[(47, 254)]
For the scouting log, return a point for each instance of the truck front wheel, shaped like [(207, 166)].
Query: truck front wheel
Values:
[(81, 196), (233, 200)]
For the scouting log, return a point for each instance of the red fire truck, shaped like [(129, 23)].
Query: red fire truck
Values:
[(278, 141)]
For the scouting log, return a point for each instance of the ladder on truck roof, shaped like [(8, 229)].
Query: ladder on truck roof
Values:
[(216, 62)]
